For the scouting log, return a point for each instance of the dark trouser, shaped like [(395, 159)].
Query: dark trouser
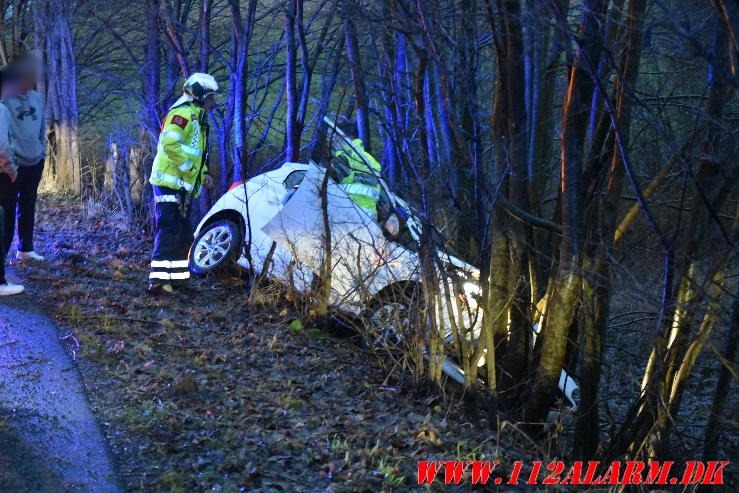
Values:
[(172, 239), (20, 198)]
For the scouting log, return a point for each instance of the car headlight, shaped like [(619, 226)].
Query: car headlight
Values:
[(466, 287), (472, 289)]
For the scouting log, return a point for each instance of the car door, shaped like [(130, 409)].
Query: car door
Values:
[(360, 255)]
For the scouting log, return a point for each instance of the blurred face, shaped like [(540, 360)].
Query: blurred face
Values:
[(31, 71), (336, 144)]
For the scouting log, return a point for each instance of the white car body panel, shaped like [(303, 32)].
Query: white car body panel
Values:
[(363, 260)]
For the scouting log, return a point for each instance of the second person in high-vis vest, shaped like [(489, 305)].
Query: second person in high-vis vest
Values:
[(362, 182), (179, 172)]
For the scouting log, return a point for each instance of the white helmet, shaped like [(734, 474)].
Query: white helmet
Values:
[(200, 86)]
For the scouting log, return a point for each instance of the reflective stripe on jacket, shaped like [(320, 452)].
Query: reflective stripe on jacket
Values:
[(365, 196), (182, 144)]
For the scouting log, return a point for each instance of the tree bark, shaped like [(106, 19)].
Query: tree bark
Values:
[(549, 44), (292, 126), (361, 99), (715, 419), (241, 34), (515, 359), (649, 431), (204, 17), (54, 19), (171, 14), (568, 280), (597, 286)]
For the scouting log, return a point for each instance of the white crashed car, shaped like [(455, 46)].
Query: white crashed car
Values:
[(275, 222)]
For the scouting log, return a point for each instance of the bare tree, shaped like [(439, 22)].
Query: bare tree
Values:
[(292, 125), (361, 98), (567, 279), (53, 27)]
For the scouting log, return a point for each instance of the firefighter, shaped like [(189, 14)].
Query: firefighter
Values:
[(179, 171), (362, 183)]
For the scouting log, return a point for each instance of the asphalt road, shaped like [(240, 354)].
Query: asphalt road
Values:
[(49, 439)]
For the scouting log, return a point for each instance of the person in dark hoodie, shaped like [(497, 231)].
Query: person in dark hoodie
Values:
[(8, 169), (28, 131)]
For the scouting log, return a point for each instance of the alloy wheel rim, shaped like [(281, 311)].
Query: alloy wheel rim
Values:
[(389, 320), (213, 247)]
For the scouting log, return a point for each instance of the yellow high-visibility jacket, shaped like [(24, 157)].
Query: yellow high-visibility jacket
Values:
[(179, 163), (361, 184)]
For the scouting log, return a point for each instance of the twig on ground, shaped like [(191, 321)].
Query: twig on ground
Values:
[(162, 323)]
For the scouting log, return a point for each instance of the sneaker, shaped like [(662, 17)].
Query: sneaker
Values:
[(10, 289), (29, 256), (156, 289)]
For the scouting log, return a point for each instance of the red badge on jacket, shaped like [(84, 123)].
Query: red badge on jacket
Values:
[(180, 121)]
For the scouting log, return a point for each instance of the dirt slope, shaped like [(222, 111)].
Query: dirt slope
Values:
[(212, 391)]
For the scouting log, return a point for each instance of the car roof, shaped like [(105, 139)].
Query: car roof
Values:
[(278, 174), (284, 170)]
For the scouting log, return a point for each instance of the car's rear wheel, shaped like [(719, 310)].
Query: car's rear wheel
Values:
[(216, 247), (392, 316)]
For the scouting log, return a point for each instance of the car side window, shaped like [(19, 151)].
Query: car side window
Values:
[(294, 179), (339, 169)]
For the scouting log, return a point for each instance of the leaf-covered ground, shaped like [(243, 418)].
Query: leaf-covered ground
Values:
[(209, 391)]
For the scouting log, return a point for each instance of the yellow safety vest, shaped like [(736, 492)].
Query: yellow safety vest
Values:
[(362, 182), (180, 152)]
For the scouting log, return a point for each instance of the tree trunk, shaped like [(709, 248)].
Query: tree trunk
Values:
[(549, 44), (204, 16), (61, 93), (471, 178), (568, 280), (715, 419), (515, 360), (241, 31), (292, 126), (216, 166), (177, 56), (597, 287), (649, 431), (151, 81), (361, 99)]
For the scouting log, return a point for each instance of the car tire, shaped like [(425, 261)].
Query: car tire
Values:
[(216, 248), (391, 316), (398, 311)]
